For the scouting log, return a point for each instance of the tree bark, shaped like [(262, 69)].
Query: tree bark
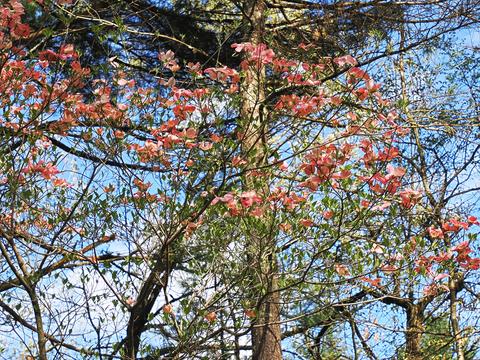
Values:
[(453, 285), (139, 312), (266, 332), (42, 340), (414, 332)]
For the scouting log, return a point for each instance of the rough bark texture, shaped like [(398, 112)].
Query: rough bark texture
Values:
[(414, 332), (266, 332)]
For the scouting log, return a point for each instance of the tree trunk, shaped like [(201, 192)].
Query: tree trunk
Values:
[(139, 312), (266, 332), (453, 285), (414, 332)]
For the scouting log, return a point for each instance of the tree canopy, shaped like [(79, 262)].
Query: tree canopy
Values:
[(240, 179)]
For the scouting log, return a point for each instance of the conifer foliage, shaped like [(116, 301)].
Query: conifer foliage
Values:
[(214, 211)]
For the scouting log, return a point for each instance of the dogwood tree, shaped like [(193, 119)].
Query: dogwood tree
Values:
[(201, 218)]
